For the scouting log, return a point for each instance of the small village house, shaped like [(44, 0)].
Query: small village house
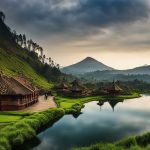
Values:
[(16, 93), (76, 87), (114, 89)]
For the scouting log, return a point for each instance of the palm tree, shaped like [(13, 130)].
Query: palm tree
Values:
[(52, 63), (14, 34), (50, 60), (17, 39), (58, 66), (41, 50), (44, 59), (30, 44), (2, 16), (34, 46), (24, 40), (20, 40)]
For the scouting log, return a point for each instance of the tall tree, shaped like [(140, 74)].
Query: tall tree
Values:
[(41, 50), (58, 66), (50, 61), (44, 59), (2, 16), (24, 40), (20, 40)]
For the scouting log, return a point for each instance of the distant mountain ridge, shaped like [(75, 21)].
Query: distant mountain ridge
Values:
[(89, 64), (137, 70)]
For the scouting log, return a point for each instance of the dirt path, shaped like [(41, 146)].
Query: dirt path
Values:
[(41, 105)]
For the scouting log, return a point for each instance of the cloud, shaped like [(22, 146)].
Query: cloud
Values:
[(74, 29), (69, 17)]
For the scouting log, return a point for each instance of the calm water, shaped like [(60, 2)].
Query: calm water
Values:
[(97, 124)]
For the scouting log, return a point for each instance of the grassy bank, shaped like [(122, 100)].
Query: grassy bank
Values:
[(75, 105), (7, 118), (132, 143), (27, 128)]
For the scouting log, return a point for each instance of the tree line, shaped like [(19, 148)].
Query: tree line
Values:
[(35, 57), (2, 16), (30, 45)]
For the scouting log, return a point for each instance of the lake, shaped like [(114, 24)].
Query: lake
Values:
[(98, 123)]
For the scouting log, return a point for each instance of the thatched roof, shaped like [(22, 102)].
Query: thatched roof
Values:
[(62, 86), (14, 86), (115, 87), (76, 86)]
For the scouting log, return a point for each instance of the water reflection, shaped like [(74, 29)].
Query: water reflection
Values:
[(112, 102), (129, 118)]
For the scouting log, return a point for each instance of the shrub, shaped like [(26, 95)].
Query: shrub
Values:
[(143, 140), (4, 144), (17, 133), (127, 143)]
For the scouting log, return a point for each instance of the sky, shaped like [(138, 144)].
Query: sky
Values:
[(115, 32)]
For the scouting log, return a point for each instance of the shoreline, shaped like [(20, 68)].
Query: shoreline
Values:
[(28, 128)]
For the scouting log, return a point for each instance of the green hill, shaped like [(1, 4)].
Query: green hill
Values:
[(11, 65), (15, 60)]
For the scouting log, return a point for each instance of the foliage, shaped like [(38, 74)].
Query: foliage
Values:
[(13, 66), (25, 129), (19, 56), (9, 118), (130, 143), (109, 76)]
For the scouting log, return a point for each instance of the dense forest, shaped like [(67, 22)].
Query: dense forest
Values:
[(20, 48)]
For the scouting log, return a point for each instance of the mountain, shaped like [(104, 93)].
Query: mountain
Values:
[(137, 70), (15, 61), (87, 65)]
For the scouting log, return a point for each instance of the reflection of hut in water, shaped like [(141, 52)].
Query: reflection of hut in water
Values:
[(114, 89), (113, 103)]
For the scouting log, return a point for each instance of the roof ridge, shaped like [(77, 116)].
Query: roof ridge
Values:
[(22, 84)]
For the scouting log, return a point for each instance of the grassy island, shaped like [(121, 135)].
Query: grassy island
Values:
[(74, 105)]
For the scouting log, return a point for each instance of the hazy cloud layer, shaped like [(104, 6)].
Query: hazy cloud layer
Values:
[(67, 27)]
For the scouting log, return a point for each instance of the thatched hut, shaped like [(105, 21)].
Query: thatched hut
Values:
[(76, 88), (16, 93), (114, 89)]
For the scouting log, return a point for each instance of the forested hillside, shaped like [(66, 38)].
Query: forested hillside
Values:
[(19, 56)]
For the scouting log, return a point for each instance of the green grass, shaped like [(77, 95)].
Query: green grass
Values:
[(12, 65), (65, 103), (27, 128), (111, 147), (8, 118), (76, 104), (131, 143)]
